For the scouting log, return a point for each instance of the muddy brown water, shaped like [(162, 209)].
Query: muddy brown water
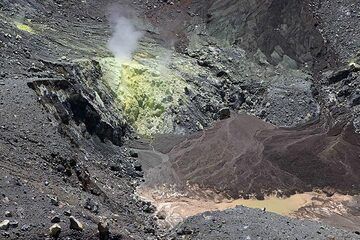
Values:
[(176, 207), (246, 154)]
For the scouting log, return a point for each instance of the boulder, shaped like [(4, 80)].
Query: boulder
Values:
[(75, 224), (55, 219), (4, 225), (224, 113), (104, 230), (133, 154), (55, 230), (8, 214)]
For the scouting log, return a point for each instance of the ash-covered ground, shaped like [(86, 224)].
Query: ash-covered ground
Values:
[(69, 111)]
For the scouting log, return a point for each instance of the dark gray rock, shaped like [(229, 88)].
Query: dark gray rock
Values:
[(25, 228), (245, 223), (104, 230), (55, 219), (4, 225), (224, 113), (67, 213), (75, 224), (13, 224), (8, 214), (54, 200), (55, 230), (133, 154)]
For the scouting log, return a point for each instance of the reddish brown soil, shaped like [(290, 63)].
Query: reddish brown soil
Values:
[(244, 155)]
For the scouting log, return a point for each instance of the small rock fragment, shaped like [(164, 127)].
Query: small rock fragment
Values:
[(115, 168), (148, 208), (224, 113), (67, 213), (25, 228), (4, 225), (184, 231), (75, 224), (138, 167), (8, 214), (54, 201), (55, 219), (91, 205), (161, 215), (133, 154), (14, 224), (55, 230), (104, 230)]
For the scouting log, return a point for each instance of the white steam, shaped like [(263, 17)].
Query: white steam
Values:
[(125, 37)]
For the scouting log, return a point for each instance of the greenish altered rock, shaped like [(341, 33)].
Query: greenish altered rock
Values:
[(145, 88), (24, 27)]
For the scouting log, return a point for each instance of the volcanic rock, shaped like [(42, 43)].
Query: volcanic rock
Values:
[(161, 215), (8, 214), (13, 224), (4, 225), (84, 107), (55, 219), (67, 213), (91, 205), (75, 224), (54, 200), (104, 230), (55, 230), (134, 154), (25, 228), (224, 113), (259, 226)]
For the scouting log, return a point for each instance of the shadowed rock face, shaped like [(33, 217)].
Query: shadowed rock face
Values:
[(87, 108), (244, 155), (276, 27)]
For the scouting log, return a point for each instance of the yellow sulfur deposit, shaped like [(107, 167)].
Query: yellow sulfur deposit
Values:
[(24, 27), (144, 91)]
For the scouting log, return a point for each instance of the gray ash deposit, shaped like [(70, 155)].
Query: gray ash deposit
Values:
[(71, 107)]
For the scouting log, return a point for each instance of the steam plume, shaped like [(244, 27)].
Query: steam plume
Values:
[(125, 36)]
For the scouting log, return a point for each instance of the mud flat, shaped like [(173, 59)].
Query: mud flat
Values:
[(178, 207)]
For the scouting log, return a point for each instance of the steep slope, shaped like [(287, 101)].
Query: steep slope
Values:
[(61, 145), (244, 156), (275, 27)]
